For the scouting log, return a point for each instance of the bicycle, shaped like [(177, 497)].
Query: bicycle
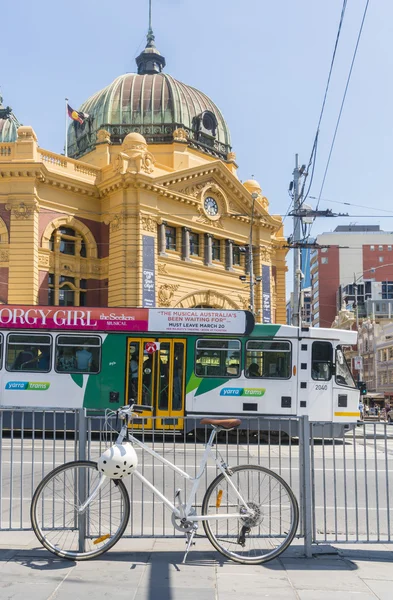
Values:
[(249, 513)]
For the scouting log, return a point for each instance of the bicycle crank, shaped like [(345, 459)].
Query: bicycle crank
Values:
[(186, 524)]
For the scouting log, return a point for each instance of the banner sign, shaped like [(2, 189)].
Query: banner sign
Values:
[(148, 277), (197, 320), (169, 320), (358, 363), (82, 319), (266, 297)]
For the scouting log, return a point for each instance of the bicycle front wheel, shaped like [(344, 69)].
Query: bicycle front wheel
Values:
[(59, 525), (256, 538)]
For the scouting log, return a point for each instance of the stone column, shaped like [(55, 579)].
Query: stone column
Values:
[(23, 280), (208, 249), (124, 259), (78, 246), (162, 239), (186, 244), (229, 255), (56, 269), (280, 286), (247, 261)]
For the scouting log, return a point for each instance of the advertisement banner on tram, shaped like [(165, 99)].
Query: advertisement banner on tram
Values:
[(127, 319)]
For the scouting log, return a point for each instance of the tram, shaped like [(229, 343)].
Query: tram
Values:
[(181, 362)]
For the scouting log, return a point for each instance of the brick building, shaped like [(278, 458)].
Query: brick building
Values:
[(361, 253)]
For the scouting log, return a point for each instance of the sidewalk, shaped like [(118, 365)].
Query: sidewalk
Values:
[(148, 569)]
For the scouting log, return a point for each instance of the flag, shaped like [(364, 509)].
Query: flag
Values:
[(76, 115)]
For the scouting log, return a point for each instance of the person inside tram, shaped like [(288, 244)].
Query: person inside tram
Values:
[(84, 358), (147, 379), (134, 369), (24, 359), (253, 370), (321, 371), (43, 359), (67, 360)]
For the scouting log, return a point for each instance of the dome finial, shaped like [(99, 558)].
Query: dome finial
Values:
[(150, 60), (150, 34)]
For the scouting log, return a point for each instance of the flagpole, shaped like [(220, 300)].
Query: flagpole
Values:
[(66, 128)]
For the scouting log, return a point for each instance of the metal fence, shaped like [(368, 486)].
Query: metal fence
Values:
[(352, 484), (343, 485)]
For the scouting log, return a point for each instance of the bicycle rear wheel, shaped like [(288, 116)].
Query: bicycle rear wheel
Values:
[(62, 529), (271, 528)]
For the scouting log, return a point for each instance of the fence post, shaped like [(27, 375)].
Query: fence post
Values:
[(305, 484), (82, 437)]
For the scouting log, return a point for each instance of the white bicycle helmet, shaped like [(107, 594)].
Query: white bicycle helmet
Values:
[(118, 461)]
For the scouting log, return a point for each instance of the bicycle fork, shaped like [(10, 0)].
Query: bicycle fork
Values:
[(83, 507)]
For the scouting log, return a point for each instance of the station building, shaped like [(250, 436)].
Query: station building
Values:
[(146, 209)]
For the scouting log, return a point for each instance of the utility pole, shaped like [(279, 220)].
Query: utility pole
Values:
[(355, 289), (296, 238)]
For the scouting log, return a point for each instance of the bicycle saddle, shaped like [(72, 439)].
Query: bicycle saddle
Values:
[(224, 423)]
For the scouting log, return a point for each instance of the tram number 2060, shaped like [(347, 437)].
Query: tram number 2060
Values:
[(321, 387)]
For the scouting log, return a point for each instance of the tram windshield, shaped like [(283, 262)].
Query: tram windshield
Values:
[(343, 373)]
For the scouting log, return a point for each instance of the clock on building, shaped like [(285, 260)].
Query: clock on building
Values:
[(210, 206)]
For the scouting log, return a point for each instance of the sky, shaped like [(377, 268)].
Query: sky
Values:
[(265, 64)]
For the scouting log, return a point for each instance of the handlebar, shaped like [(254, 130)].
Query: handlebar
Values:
[(134, 408), (139, 408)]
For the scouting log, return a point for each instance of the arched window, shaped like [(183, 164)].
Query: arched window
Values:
[(66, 289), (67, 239)]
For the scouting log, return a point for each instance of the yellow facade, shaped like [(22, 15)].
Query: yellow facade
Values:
[(109, 202)]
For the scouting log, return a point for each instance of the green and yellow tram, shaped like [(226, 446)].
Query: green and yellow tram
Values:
[(181, 362)]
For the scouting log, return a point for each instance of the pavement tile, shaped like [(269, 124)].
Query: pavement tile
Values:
[(271, 593), (328, 595), (369, 551), (80, 589), (17, 591), (31, 570), (272, 570), (311, 575), (381, 589), (371, 569), (317, 562), (6, 555), (175, 593), (17, 539), (165, 573)]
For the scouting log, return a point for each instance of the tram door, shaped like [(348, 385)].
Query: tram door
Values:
[(157, 379)]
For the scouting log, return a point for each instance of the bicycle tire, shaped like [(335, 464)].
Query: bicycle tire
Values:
[(211, 527), (43, 530)]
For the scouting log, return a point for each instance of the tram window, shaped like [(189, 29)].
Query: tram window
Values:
[(29, 352), (217, 358), (321, 361), (268, 359), (78, 354)]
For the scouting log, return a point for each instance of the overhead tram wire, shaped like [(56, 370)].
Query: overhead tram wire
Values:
[(353, 204), (342, 103), (313, 155)]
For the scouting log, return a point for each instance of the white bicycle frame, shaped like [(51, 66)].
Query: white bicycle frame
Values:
[(180, 511)]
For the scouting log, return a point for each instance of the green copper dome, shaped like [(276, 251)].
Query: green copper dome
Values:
[(153, 104), (8, 124)]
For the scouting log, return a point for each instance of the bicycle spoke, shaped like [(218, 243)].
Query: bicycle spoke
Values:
[(255, 537), (56, 519)]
